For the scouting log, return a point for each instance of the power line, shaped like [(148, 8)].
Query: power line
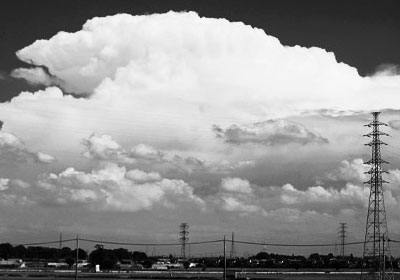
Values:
[(148, 244), (195, 243), (45, 242)]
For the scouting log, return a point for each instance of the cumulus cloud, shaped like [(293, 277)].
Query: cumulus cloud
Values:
[(350, 194), (104, 147), (35, 76), (350, 171), (114, 188), (4, 184), (235, 185), (147, 152), (13, 148), (14, 192), (236, 195), (328, 199), (272, 132), (140, 176), (394, 124)]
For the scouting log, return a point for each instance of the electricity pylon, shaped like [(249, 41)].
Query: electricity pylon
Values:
[(233, 249), (184, 238), (376, 244), (342, 237)]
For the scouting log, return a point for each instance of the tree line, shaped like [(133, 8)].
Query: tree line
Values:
[(109, 258)]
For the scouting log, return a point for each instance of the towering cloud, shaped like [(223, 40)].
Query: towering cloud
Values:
[(186, 110)]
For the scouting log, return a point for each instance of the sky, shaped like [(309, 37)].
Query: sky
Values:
[(123, 119)]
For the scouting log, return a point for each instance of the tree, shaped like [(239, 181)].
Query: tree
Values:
[(82, 255), (6, 250), (122, 254), (262, 255), (139, 256), (105, 258)]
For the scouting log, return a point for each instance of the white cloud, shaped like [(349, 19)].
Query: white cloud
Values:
[(272, 132), (353, 171), (144, 151), (142, 177), (14, 192), (164, 89), (158, 84), (34, 76), (394, 124), (387, 70), (113, 188), (232, 204), (104, 147), (12, 148), (4, 184), (329, 198), (235, 185), (141, 52), (45, 158), (236, 195)]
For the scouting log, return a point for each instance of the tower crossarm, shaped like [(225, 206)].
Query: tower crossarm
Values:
[(375, 142), (372, 171), (375, 161), (375, 133)]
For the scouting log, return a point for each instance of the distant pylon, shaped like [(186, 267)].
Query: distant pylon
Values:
[(342, 237), (183, 238), (233, 250), (264, 247), (376, 244)]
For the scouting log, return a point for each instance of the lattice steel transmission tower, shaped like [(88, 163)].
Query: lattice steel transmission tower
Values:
[(184, 232), (376, 244), (342, 237), (233, 249)]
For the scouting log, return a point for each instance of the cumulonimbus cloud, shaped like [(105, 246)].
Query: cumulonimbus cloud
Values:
[(168, 88), (158, 83)]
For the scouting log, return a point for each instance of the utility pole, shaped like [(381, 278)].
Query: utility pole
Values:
[(184, 227), (77, 257), (224, 258), (376, 243), (60, 245), (342, 237)]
